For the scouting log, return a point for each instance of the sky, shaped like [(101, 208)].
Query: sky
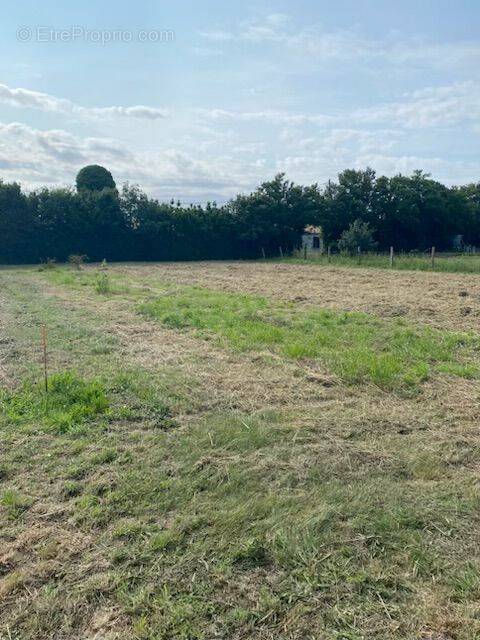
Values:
[(203, 100)]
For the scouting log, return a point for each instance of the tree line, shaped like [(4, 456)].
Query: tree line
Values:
[(98, 220)]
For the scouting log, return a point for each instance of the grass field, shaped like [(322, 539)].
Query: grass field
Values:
[(239, 450), (443, 262)]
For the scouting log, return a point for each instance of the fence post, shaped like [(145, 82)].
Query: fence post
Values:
[(281, 252), (305, 252), (263, 254), (329, 254), (359, 250), (45, 362), (391, 257), (433, 257)]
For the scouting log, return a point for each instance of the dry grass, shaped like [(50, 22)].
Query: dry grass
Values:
[(318, 510), (441, 299)]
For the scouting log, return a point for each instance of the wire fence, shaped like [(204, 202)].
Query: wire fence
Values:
[(431, 260)]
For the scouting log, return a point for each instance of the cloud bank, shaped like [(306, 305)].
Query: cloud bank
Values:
[(44, 102)]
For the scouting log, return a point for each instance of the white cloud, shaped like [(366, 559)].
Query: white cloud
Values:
[(278, 29), (430, 107), (439, 56), (268, 116), (53, 157), (43, 101), (348, 44), (217, 35), (449, 172), (215, 153), (320, 168)]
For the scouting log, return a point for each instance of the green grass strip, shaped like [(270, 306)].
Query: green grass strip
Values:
[(357, 347)]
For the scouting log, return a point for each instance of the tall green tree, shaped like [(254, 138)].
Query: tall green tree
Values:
[(19, 227), (351, 198), (274, 215), (94, 178), (469, 195)]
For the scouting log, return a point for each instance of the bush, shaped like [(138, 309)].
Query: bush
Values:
[(77, 260), (48, 265), (102, 284), (357, 235)]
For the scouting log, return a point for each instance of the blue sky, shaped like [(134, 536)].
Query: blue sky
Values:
[(202, 100)]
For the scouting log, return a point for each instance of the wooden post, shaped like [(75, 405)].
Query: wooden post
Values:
[(391, 257), (263, 254), (433, 257), (329, 254), (281, 252), (45, 362), (305, 252), (359, 250)]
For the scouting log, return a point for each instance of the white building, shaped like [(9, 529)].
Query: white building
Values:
[(312, 239)]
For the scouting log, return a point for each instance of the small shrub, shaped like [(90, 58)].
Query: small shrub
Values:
[(102, 284), (357, 235), (48, 265), (77, 260)]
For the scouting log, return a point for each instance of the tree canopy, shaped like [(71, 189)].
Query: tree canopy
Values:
[(408, 212), (94, 178)]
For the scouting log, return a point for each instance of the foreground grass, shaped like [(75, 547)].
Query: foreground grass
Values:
[(216, 530), (356, 347), (128, 509), (449, 263)]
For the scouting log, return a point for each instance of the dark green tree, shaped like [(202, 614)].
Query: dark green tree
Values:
[(352, 198), (274, 215), (94, 178), (469, 195), (18, 226)]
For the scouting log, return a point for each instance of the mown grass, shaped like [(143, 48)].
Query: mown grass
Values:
[(356, 347), (103, 281), (216, 530), (153, 517), (444, 262)]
